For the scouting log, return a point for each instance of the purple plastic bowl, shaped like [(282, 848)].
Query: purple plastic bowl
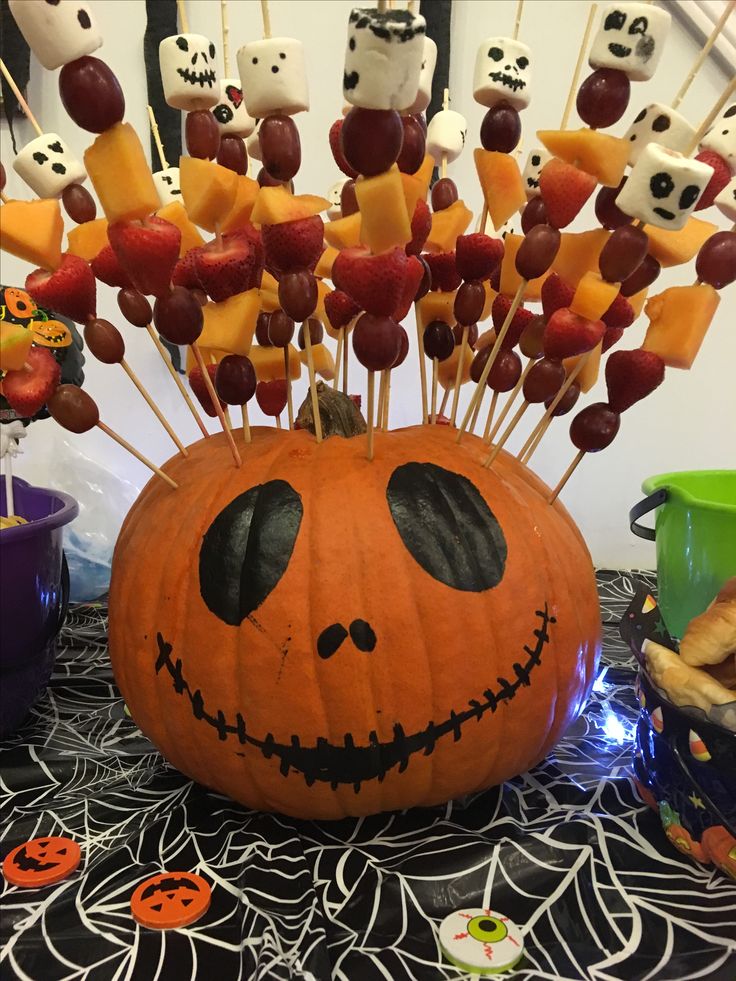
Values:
[(34, 593)]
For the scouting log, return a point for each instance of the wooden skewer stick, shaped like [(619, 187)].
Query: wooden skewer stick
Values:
[(476, 412), (3, 197), (345, 362), (289, 397), (246, 422), (435, 380), (443, 403), (709, 119), (422, 366), (370, 410), (489, 418), (183, 21), (517, 22), (541, 427), (382, 6), (225, 37), (338, 358), (21, 101), (511, 399), (571, 95), (381, 398), (507, 432), (157, 138), (565, 477), (483, 220), (153, 407), (312, 381), (387, 401), (266, 15), (278, 421), (139, 456), (177, 378), (705, 51), (216, 403), (9, 499), (445, 105), (458, 377)]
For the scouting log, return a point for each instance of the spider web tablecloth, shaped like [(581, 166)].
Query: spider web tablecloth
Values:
[(567, 851)]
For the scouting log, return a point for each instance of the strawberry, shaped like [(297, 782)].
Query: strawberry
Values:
[(70, 290), (374, 282), (721, 176), (499, 312), (29, 388), (619, 314), (226, 270), (555, 294), (295, 244), (108, 270), (567, 334), (631, 376), (357, 401), (198, 386), (421, 225), (336, 147), (564, 189), (494, 280), (185, 271), (477, 255), (340, 309), (612, 336), (271, 396), (251, 235), (445, 276), (414, 274), (147, 250)]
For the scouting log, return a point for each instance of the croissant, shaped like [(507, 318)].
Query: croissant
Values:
[(711, 637), (687, 686)]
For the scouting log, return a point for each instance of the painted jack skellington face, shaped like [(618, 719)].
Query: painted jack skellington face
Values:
[(188, 74), (663, 187), (57, 31), (536, 160), (168, 185), (47, 165), (502, 73), (658, 123), (721, 137), (383, 58), (630, 38), (230, 112)]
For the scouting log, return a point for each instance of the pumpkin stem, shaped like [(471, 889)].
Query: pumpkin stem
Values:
[(340, 416)]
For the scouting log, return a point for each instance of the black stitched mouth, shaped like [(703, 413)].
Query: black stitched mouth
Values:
[(350, 763), (619, 50), (664, 213), (198, 78), (510, 81)]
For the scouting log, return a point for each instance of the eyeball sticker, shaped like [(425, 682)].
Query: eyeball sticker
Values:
[(481, 941)]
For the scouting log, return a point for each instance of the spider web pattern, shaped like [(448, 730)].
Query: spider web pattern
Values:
[(567, 851)]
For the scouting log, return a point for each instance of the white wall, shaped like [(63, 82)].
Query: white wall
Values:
[(686, 424)]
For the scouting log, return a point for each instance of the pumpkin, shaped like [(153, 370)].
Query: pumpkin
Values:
[(720, 846), (685, 843), (324, 636)]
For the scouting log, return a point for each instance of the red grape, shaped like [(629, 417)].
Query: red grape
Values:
[(91, 94), (544, 380), (531, 342), (603, 97), (235, 381), (472, 334), (316, 332), (232, 154), (607, 211), (623, 253), (505, 371), (425, 282), (535, 213), (178, 316), (281, 148), (79, 203), (104, 341), (135, 307), (439, 340), (263, 328), (376, 341), (202, 134), (716, 261), (444, 193), (594, 427), (298, 294), (413, 145), (371, 139), (567, 401), (403, 348), (73, 409), (348, 199), (469, 302), (501, 128), (643, 276), (537, 251), (279, 329)]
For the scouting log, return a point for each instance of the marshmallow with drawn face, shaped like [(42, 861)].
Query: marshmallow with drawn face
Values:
[(726, 200), (47, 165), (383, 59), (59, 32), (230, 112), (658, 123), (168, 185), (537, 158), (333, 196), (663, 187), (188, 72), (630, 38), (502, 73), (446, 135), (721, 137), (274, 76), (424, 93)]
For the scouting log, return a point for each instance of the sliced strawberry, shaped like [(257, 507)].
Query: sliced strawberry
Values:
[(70, 290), (556, 294), (477, 255), (271, 396), (197, 383), (336, 147), (567, 334), (443, 268), (225, 270), (357, 400), (108, 270), (631, 376), (421, 226), (612, 336), (721, 177), (29, 388), (414, 274), (564, 189), (619, 314), (522, 317), (147, 250), (340, 309), (253, 237), (295, 244), (374, 282), (185, 271)]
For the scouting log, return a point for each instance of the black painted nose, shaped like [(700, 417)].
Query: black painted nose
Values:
[(331, 638)]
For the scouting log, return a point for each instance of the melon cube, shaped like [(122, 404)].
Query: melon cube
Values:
[(15, 343), (208, 190), (500, 180), (385, 220), (326, 261), (324, 363), (578, 254), (230, 324), (32, 231), (269, 363), (119, 171), (425, 171), (88, 239), (510, 279), (276, 205), (593, 296), (603, 156), (446, 226), (679, 319), (436, 306), (245, 197), (414, 190), (447, 370), (588, 374), (673, 248), (344, 233), (175, 212), (637, 301)]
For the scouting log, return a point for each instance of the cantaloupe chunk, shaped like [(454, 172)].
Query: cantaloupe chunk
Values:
[(245, 198), (436, 306), (603, 156), (15, 343), (588, 374), (324, 363), (425, 171), (344, 233), (32, 231), (578, 254), (593, 296), (209, 356), (447, 371), (385, 220), (319, 311), (323, 269), (486, 339), (637, 301), (269, 363), (673, 248), (446, 226), (510, 279), (230, 324), (208, 190), (500, 179), (269, 282), (176, 213), (276, 205), (269, 293), (88, 239), (414, 190), (679, 320), (119, 171)]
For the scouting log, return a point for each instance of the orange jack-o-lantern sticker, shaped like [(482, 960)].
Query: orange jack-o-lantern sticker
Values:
[(41, 862), (170, 900)]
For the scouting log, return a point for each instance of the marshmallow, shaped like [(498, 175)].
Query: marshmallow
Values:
[(446, 135), (383, 59), (333, 196), (188, 73), (502, 73), (726, 200), (663, 187), (47, 165), (230, 112), (424, 93), (168, 185), (274, 76), (630, 38), (721, 137), (57, 33), (537, 158), (253, 144), (657, 123)]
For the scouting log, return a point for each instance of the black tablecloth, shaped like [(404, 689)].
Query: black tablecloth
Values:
[(567, 851)]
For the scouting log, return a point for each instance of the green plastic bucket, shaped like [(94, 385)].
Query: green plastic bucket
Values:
[(695, 532)]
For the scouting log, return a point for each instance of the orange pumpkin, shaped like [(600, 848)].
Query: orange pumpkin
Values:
[(720, 846), (324, 636), (685, 843)]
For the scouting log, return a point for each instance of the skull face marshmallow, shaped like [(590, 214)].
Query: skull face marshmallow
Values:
[(383, 59), (334, 197), (630, 38), (230, 112), (663, 187), (274, 77), (537, 158), (726, 200), (168, 185), (658, 123), (47, 165), (446, 135), (502, 73), (57, 33), (188, 73), (721, 137), (424, 92)]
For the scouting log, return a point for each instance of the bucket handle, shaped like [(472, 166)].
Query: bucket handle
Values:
[(654, 500), (65, 590)]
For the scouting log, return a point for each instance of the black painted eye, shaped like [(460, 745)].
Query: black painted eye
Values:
[(58, 168), (84, 22), (447, 526), (181, 42), (40, 158), (212, 51), (615, 21), (639, 25), (661, 185), (536, 160), (661, 124), (731, 111), (522, 62), (689, 196), (495, 53), (222, 113), (247, 548), (640, 116)]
